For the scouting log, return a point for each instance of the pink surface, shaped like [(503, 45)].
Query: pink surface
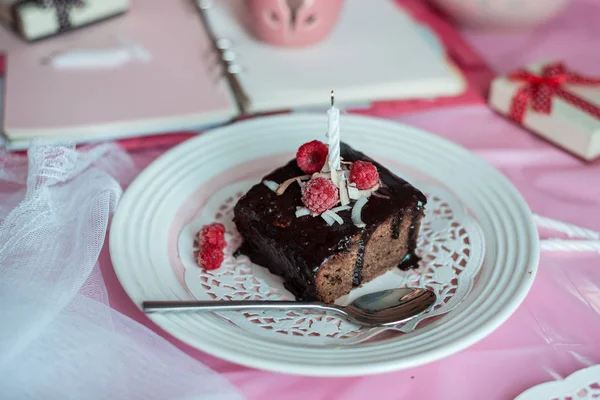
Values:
[(556, 330)]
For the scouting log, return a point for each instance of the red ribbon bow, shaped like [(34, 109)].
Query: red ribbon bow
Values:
[(540, 89)]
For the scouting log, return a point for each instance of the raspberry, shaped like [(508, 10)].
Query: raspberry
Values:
[(311, 156), (212, 235), (212, 242), (210, 257), (319, 195), (364, 175)]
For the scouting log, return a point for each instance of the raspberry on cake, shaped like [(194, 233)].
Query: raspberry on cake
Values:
[(319, 195), (328, 233), (311, 156), (364, 175)]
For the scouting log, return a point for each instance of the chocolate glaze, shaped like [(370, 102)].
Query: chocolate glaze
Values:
[(360, 259), (295, 248)]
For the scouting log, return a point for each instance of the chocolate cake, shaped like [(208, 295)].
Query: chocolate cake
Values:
[(319, 261)]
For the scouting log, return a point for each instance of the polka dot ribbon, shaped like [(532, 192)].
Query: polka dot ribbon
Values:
[(540, 89), (62, 7)]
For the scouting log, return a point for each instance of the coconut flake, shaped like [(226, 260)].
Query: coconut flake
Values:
[(282, 187), (330, 221), (335, 178), (271, 185), (300, 183), (357, 210), (353, 193), (321, 175), (356, 194), (335, 217), (344, 197), (302, 211), (340, 208)]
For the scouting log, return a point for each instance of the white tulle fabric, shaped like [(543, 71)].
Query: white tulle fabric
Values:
[(59, 338)]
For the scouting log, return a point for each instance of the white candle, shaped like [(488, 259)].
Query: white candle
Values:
[(333, 135)]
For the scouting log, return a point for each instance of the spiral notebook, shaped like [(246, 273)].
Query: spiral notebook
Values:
[(375, 52), (146, 73)]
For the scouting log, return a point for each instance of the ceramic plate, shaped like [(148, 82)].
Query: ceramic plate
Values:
[(478, 243)]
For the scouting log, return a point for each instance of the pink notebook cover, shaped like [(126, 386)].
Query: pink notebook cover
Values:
[(186, 89)]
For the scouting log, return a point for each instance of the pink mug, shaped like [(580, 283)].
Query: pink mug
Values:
[(293, 22)]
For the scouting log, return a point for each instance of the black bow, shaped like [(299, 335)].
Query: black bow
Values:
[(62, 7)]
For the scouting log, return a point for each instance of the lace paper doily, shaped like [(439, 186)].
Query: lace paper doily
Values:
[(450, 244), (581, 385)]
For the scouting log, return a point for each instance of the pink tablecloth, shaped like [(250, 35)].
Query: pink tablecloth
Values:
[(555, 332)]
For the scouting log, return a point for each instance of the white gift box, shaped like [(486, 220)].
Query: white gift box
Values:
[(34, 21), (571, 122)]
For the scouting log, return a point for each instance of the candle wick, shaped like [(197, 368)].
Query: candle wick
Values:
[(332, 99)]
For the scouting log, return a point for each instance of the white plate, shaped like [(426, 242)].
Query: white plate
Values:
[(146, 227)]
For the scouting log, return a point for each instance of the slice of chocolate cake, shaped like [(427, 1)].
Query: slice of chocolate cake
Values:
[(323, 255)]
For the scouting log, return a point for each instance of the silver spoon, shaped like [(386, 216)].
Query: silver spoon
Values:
[(386, 307)]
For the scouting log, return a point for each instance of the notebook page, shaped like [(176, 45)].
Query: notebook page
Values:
[(167, 83), (375, 52)]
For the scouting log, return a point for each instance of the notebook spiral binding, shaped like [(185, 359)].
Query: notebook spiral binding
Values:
[(227, 57)]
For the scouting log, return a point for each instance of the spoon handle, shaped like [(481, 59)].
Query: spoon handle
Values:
[(195, 305)]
